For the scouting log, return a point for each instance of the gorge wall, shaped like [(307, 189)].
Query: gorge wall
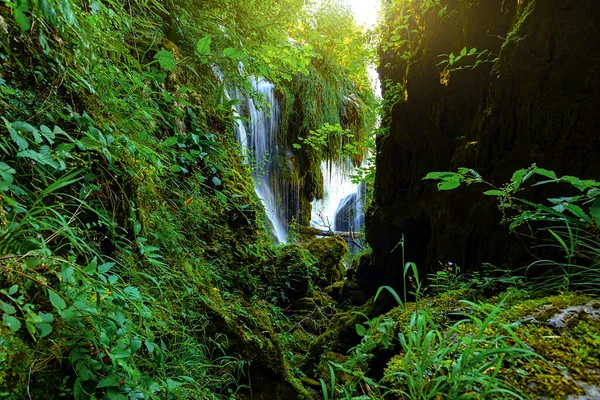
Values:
[(529, 103)]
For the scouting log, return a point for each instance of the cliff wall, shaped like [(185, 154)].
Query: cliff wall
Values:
[(532, 98)]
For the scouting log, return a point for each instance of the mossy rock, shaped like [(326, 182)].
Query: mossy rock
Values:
[(346, 293), (252, 336), (330, 253), (569, 365), (312, 313), (571, 354), (295, 272)]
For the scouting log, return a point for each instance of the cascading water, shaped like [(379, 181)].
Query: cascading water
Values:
[(258, 138), (349, 216), (341, 209), (257, 130)]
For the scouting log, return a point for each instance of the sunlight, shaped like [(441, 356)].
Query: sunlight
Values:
[(365, 11)]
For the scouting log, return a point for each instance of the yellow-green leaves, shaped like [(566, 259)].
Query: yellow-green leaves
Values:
[(203, 48)]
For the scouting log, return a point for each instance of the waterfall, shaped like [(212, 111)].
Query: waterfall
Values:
[(258, 138), (257, 129), (341, 209), (349, 215)]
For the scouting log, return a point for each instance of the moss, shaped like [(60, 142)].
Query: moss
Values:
[(15, 361), (393, 367), (330, 253), (323, 367), (289, 168), (251, 332), (570, 358), (295, 272), (544, 308), (524, 12), (569, 361)]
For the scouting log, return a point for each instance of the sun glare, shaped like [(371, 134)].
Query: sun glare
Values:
[(365, 11)]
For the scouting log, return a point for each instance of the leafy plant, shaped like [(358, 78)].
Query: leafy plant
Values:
[(452, 62), (568, 223)]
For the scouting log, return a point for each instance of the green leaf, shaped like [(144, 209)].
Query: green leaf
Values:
[(216, 181), (463, 52), (23, 126), (324, 389), (389, 289), (578, 212), (7, 308), (47, 133), (135, 345), (231, 53), (441, 175), (44, 328), (221, 197), (18, 139), (22, 20), (166, 60), (203, 48), (11, 323), (172, 141), (118, 353), (56, 300), (582, 185), (47, 318), (149, 346), (132, 292), (42, 157), (137, 228), (395, 38), (361, 330), (48, 12), (448, 184), (63, 181), (105, 267), (546, 173), (109, 381), (493, 193), (13, 289), (92, 267), (172, 385), (6, 173), (517, 178)]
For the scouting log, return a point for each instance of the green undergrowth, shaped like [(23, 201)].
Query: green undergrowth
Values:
[(448, 346), (134, 261)]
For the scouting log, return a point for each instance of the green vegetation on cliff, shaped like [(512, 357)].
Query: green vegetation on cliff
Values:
[(135, 257), (135, 263)]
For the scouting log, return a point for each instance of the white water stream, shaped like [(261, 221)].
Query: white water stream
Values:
[(339, 192), (258, 138)]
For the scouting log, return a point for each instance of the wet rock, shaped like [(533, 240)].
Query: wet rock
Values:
[(569, 316)]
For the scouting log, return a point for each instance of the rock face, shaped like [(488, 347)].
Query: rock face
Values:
[(534, 101)]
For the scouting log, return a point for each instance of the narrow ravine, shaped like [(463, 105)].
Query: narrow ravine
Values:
[(213, 200)]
